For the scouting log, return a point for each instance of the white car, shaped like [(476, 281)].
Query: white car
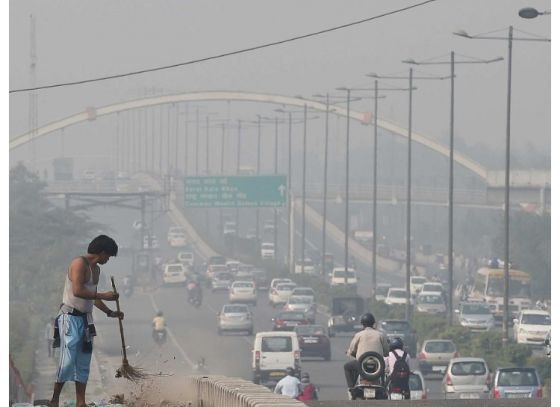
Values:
[(531, 327), (230, 229), (396, 296), (305, 266), (174, 274), (186, 258), (267, 251), (381, 291), (281, 293), (178, 240), (418, 389), (339, 277), (272, 353), (243, 291), (432, 288), (150, 242), (305, 292), (303, 304), (416, 283)]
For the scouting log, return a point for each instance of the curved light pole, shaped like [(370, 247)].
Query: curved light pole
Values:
[(452, 62), (530, 12), (510, 38)]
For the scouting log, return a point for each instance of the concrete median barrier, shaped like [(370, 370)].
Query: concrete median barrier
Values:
[(436, 403)]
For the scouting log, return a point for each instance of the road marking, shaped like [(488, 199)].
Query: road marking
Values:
[(172, 337)]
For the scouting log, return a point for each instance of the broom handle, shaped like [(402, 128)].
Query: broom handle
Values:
[(120, 320)]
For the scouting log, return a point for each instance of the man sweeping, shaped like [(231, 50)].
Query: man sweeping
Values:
[(74, 329)]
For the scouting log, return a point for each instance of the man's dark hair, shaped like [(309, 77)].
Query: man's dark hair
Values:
[(103, 244)]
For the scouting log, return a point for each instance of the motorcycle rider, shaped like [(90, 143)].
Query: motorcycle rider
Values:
[(309, 390), (289, 385), (158, 325), (397, 352), (366, 340), (194, 290)]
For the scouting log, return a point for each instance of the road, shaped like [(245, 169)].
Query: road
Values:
[(192, 332)]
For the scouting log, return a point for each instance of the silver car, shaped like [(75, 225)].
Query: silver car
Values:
[(430, 303), (467, 378), (235, 317), (475, 316)]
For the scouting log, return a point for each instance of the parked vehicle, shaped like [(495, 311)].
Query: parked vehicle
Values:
[(313, 341), (345, 315), (340, 277), (516, 383), (531, 327), (272, 353), (222, 281), (430, 303), (435, 355), (396, 296), (235, 317), (280, 294), (288, 320), (467, 378), (394, 328), (174, 274), (243, 291), (475, 316), (417, 386)]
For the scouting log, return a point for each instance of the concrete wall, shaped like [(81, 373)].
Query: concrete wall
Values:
[(436, 403)]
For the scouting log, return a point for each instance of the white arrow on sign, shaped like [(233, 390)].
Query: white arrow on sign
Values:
[(282, 189)]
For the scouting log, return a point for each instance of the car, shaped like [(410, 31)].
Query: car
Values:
[(272, 353), (430, 303), (174, 274), (393, 328), (305, 266), (435, 355), (186, 258), (340, 277), (214, 269), (303, 304), (230, 229), (467, 378), (150, 242), (381, 291), (432, 287), (416, 283), (221, 281), (243, 291), (516, 383), (547, 345), (267, 251), (233, 266), (288, 320), (235, 317), (304, 292), (88, 175), (396, 296), (313, 341), (280, 294), (274, 282), (345, 315), (475, 316), (531, 327), (260, 278), (417, 386)]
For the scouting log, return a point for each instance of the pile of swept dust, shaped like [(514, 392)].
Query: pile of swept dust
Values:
[(155, 392)]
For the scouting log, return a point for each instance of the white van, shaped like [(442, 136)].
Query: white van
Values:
[(272, 353)]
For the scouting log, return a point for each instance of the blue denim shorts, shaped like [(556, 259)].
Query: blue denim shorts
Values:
[(73, 365)]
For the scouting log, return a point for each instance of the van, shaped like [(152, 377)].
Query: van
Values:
[(272, 353)]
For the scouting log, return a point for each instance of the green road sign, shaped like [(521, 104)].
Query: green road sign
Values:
[(263, 191)]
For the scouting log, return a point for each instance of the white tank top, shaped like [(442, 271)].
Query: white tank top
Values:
[(68, 297)]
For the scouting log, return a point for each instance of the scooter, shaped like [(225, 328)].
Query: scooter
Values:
[(160, 336), (371, 380), (195, 297)]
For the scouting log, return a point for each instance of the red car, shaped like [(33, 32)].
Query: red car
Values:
[(313, 341), (288, 320)]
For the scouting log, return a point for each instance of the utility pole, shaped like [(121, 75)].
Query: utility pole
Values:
[(276, 173), (304, 183), (33, 105)]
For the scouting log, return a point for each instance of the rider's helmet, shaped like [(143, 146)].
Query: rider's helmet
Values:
[(367, 319), (396, 343), (305, 375), (290, 371), (159, 314)]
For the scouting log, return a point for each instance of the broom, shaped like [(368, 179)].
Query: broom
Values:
[(128, 372)]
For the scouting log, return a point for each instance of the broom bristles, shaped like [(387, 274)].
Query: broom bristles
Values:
[(131, 373)]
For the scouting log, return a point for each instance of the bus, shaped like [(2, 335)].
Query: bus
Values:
[(489, 288)]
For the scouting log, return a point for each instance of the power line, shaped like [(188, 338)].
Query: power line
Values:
[(241, 51)]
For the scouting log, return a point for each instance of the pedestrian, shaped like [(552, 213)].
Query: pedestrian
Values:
[(49, 336), (75, 329), (289, 385)]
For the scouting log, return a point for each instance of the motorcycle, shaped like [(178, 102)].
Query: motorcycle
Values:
[(371, 380), (200, 366), (160, 336), (195, 297)]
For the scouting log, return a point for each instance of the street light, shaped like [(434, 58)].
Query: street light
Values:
[(450, 264), (510, 39), (530, 12)]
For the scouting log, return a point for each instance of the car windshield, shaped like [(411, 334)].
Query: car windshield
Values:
[(267, 246), (439, 347), (285, 287), (397, 294), (342, 273), (291, 316), (417, 280), (401, 326), (174, 268), (518, 377), (432, 287), (535, 319), (231, 309), (303, 291), (276, 344), (300, 300), (310, 330), (517, 288), (468, 369), (475, 309), (430, 299), (414, 382), (243, 284)]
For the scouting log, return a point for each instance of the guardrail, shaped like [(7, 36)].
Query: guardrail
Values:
[(218, 391)]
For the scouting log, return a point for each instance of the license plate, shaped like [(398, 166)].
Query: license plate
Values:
[(518, 396), (276, 374), (310, 340), (469, 396), (396, 396), (439, 369), (369, 393)]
